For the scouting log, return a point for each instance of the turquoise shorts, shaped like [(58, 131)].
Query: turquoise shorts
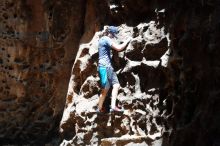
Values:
[(107, 77)]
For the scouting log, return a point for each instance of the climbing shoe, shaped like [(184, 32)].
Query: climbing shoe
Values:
[(116, 109)]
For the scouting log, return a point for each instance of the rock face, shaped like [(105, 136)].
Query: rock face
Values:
[(39, 40), (169, 101), (194, 68), (142, 71), (190, 88)]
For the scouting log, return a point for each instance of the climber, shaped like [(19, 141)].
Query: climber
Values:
[(106, 72)]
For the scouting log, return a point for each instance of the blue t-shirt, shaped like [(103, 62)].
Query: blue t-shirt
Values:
[(104, 51)]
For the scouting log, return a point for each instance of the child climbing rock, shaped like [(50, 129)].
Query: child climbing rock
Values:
[(107, 74)]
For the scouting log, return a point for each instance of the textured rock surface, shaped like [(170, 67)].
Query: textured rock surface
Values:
[(194, 68), (142, 74), (38, 40), (192, 89)]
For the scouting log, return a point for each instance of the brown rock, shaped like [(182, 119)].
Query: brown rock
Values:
[(39, 40)]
